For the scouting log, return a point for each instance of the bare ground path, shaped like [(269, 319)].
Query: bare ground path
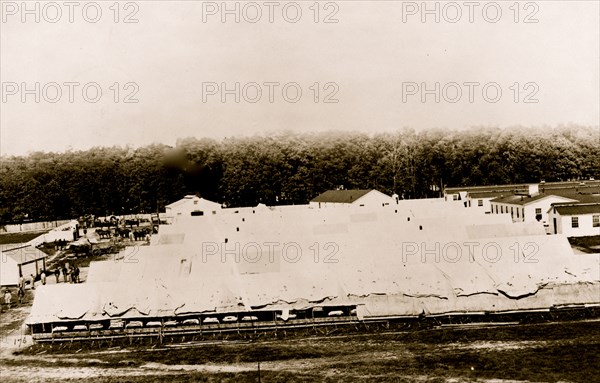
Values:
[(554, 352)]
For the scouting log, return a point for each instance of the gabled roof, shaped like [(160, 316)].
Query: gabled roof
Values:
[(341, 196), (199, 200), (523, 200), (571, 184), (492, 188), (577, 208), (584, 186), (583, 198), (9, 246), (183, 200), (485, 194), (21, 253)]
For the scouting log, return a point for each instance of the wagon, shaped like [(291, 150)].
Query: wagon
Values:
[(105, 247)]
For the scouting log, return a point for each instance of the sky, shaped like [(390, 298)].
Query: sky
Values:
[(140, 72)]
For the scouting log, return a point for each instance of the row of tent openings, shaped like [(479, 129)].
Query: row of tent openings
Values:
[(193, 320), (63, 331)]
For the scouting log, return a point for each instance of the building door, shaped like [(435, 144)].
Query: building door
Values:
[(555, 226)]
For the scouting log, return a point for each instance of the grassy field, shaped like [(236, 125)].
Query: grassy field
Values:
[(8, 238), (543, 352)]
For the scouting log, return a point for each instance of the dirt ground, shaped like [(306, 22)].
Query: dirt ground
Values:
[(544, 352)]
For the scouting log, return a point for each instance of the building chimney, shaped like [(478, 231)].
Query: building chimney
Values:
[(533, 189)]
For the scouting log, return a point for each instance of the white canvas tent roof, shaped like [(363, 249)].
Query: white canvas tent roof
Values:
[(22, 253), (375, 258)]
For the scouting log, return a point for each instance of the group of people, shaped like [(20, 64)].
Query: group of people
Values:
[(8, 296), (69, 274)]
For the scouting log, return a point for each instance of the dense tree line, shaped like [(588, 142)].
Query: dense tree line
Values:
[(288, 168)]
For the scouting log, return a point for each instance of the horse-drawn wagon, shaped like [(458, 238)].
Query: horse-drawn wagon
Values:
[(105, 247)]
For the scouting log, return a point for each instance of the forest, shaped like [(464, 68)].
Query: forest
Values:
[(288, 168)]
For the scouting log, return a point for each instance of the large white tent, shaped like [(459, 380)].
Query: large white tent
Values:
[(406, 259)]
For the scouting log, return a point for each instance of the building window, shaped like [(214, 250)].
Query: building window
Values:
[(596, 221), (511, 212), (518, 212), (479, 202), (574, 222), (454, 197), (538, 210), (501, 209)]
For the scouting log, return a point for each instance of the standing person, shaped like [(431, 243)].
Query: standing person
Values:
[(7, 297), (22, 282), (64, 272), (76, 274), (57, 274), (32, 282), (20, 295), (43, 277)]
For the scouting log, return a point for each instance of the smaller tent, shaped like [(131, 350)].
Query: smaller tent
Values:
[(20, 260)]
